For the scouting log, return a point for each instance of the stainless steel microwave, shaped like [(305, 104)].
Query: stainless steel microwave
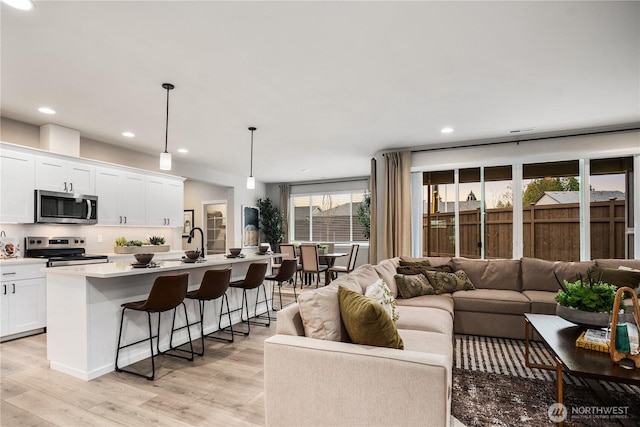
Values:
[(65, 208)]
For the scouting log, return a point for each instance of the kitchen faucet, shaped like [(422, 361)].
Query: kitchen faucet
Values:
[(201, 239)]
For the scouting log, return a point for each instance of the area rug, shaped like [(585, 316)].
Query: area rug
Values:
[(493, 387)]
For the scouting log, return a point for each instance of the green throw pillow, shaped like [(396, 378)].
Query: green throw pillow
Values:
[(449, 282), (410, 286), (366, 321)]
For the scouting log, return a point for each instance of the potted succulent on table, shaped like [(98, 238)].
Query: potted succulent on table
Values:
[(586, 302)]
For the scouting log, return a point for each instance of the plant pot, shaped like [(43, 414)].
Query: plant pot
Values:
[(586, 319), (140, 249)]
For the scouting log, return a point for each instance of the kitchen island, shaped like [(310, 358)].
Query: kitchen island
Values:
[(83, 310)]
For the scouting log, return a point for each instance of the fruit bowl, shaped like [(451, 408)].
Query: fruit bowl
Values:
[(192, 254), (235, 251), (143, 258)]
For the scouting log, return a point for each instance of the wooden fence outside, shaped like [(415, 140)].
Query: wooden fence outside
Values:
[(550, 232)]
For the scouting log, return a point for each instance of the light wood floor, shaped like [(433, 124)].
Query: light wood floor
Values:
[(223, 388)]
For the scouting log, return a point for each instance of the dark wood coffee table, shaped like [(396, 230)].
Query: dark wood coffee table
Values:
[(560, 337)]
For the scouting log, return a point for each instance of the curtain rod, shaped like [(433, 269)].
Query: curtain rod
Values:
[(511, 141)]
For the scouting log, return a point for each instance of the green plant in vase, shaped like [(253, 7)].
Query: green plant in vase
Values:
[(156, 240), (271, 223), (586, 301)]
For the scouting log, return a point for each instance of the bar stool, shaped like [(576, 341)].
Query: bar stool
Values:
[(214, 285), (253, 280), (167, 293), (286, 272)]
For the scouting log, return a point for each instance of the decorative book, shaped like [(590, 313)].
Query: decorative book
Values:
[(594, 339)]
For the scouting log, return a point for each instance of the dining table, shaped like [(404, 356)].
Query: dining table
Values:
[(329, 259)]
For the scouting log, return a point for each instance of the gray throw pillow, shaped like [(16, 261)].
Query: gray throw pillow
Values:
[(410, 286)]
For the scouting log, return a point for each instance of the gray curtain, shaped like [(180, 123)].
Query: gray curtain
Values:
[(373, 236), (397, 205), (285, 192)]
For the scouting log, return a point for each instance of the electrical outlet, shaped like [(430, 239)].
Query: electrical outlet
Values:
[(99, 238)]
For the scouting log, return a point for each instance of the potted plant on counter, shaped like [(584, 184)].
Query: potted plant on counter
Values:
[(153, 244)]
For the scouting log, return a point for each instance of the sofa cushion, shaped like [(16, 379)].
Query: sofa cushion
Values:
[(320, 311), (491, 274), (425, 319), (428, 342), (449, 282), (537, 274), (615, 263), (491, 301), (410, 286), (542, 302), (617, 277), (386, 270), (442, 302), (381, 293), (365, 275), (366, 321)]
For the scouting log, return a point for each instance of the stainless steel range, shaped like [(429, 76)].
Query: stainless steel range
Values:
[(61, 251)]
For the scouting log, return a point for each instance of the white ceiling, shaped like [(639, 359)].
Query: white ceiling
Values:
[(327, 84)]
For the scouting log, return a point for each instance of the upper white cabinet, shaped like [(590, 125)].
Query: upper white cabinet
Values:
[(164, 201), (17, 186), (66, 176), (121, 198)]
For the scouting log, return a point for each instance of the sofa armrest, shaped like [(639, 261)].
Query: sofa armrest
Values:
[(316, 382)]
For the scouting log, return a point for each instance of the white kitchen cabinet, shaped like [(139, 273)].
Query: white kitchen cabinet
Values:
[(17, 185), (121, 198), (66, 176), (164, 200), (23, 308)]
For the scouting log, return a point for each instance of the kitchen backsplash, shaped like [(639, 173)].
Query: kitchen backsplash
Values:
[(100, 240)]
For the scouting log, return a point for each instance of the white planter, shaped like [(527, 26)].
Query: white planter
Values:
[(144, 249)]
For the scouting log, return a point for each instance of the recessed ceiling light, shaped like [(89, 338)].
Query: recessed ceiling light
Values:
[(182, 150), (128, 134), (46, 110), (446, 130), (305, 170), (20, 4)]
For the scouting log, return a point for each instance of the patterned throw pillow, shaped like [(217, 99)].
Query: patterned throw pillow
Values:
[(380, 292), (410, 286), (421, 269), (449, 282), (366, 321)]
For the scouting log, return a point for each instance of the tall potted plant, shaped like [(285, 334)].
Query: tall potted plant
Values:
[(271, 223)]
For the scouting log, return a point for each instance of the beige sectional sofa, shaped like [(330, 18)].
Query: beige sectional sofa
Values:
[(315, 376)]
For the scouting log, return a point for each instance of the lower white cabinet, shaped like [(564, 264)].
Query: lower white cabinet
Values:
[(23, 296)]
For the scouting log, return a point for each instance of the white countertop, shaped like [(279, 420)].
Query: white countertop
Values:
[(22, 261), (119, 269)]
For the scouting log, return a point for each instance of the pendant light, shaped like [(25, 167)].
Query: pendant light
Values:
[(251, 181), (165, 158)]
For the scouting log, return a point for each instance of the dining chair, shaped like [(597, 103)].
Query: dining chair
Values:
[(288, 251), (351, 264), (311, 262)]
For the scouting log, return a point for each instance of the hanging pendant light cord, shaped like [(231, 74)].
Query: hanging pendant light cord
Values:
[(168, 87), (251, 170)]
